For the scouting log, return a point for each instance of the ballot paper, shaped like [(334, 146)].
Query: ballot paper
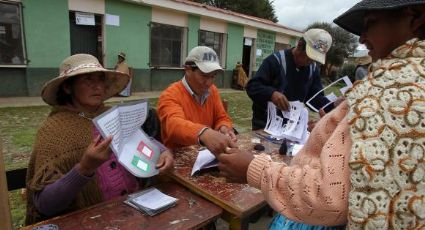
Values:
[(290, 125), (151, 201), (130, 144), (332, 92), (204, 160)]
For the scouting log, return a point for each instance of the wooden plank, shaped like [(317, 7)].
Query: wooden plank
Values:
[(239, 201), (5, 216), (190, 212)]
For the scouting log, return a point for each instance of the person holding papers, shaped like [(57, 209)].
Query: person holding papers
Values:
[(290, 75), (363, 164), (191, 111), (71, 166)]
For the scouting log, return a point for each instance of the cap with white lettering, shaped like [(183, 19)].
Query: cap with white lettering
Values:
[(205, 59)]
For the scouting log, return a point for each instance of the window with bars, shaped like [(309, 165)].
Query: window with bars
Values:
[(167, 45), (11, 35), (216, 41)]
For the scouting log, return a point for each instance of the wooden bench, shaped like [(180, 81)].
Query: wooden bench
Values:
[(5, 216)]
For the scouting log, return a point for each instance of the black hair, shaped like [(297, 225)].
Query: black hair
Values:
[(62, 97), (191, 64)]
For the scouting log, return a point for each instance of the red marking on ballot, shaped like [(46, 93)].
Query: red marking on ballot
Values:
[(144, 149)]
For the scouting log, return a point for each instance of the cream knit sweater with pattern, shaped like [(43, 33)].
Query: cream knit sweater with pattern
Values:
[(372, 176)]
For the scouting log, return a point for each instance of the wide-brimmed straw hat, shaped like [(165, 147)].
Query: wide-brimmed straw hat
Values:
[(81, 64), (352, 20)]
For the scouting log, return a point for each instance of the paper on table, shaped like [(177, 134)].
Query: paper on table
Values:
[(204, 160), (154, 199)]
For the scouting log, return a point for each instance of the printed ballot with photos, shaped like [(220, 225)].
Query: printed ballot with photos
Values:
[(292, 125)]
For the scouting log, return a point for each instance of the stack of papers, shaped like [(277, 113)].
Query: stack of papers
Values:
[(291, 125), (150, 201)]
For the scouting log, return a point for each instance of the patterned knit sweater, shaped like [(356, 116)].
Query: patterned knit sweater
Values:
[(374, 174), (387, 122)]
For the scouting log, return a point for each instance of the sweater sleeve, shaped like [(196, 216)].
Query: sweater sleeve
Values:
[(58, 196), (174, 123), (260, 88), (314, 188)]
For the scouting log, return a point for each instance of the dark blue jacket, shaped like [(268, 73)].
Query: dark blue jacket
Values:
[(298, 84)]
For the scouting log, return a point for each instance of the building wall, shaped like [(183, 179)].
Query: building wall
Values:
[(194, 23), (47, 37), (131, 37), (234, 45), (47, 40)]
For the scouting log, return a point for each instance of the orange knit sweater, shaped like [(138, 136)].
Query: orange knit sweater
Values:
[(316, 180), (182, 118)]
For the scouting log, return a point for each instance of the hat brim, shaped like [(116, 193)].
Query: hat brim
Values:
[(352, 19), (115, 82), (315, 55), (208, 67)]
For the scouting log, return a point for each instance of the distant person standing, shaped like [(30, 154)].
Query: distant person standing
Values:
[(239, 77), (122, 66), (361, 68)]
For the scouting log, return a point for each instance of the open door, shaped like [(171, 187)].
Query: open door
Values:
[(86, 37), (246, 55)]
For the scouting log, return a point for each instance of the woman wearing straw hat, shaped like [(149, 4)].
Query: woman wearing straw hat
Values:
[(364, 163), (71, 167)]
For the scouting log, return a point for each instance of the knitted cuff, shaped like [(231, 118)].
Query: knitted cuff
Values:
[(255, 170)]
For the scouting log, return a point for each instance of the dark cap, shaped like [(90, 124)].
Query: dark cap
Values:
[(352, 20)]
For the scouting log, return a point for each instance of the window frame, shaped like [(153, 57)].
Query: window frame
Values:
[(22, 34), (222, 55), (183, 46)]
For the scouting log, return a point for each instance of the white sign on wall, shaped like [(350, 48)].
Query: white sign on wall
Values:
[(84, 19), (112, 20), (248, 42)]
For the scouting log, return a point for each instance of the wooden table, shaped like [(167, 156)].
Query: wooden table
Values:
[(191, 212), (239, 201)]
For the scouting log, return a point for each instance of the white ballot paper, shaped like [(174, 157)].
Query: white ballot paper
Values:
[(344, 84), (132, 147), (290, 125), (204, 160), (150, 201)]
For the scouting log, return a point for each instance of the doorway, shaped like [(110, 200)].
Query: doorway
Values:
[(246, 55), (87, 38)]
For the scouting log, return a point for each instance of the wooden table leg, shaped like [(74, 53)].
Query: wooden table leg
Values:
[(236, 223)]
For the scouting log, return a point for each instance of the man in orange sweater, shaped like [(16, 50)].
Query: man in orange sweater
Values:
[(191, 111)]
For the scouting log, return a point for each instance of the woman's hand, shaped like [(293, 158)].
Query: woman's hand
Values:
[(96, 153), (165, 162)]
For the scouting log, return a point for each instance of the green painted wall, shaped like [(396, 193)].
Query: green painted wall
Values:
[(265, 42), (47, 36), (194, 23), (234, 45), (293, 42), (131, 36)]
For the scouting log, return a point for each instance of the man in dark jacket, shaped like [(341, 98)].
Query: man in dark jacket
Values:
[(290, 75)]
